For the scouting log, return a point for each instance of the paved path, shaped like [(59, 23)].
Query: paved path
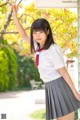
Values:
[(19, 105)]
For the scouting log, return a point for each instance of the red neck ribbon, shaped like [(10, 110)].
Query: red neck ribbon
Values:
[(37, 56)]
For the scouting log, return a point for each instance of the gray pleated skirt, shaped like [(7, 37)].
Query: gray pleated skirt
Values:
[(60, 99)]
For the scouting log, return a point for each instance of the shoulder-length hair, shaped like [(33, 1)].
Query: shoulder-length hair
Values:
[(41, 24)]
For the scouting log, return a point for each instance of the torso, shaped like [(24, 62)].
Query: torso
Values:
[(46, 68)]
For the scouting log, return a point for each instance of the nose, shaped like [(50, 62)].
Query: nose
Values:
[(38, 34)]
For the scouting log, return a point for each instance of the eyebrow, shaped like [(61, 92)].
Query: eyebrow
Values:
[(37, 30)]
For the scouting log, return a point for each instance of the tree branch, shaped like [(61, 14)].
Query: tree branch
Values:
[(6, 25), (13, 32), (25, 15), (19, 2), (4, 4), (58, 25), (7, 22), (8, 45)]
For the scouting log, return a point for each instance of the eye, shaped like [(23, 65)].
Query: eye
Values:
[(41, 31), (34, 32)]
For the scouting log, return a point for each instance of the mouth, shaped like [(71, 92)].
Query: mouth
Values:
[(39, 39)]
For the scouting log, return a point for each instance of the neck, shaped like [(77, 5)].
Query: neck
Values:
[(41, 46)]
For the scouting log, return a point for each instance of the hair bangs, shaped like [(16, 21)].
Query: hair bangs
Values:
[(38, 26)]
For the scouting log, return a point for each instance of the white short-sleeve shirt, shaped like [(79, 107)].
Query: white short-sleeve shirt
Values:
[(50, 61)]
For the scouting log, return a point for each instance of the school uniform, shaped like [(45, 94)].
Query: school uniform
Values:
[(60, 99)]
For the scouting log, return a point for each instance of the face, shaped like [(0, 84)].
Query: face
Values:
[(40, 37)]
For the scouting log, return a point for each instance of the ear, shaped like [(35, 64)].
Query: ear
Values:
[(47, 31)]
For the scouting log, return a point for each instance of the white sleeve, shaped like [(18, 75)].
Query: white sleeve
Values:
[(57, 57)]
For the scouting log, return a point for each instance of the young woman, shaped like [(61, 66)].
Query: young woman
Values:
[(62, 99)]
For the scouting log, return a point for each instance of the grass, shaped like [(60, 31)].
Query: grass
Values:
[(38, 115)]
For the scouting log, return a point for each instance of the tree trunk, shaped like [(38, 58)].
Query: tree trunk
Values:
[(6, 25)]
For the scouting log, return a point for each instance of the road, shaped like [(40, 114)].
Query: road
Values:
[(19, 105)]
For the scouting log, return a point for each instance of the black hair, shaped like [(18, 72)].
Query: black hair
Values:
[(41, 24)]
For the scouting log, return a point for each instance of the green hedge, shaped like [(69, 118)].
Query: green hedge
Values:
[(4, 78), (12, 67), (8, 69), (26, 71)]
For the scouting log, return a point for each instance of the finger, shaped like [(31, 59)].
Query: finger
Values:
[(17, 7), (14, 7)]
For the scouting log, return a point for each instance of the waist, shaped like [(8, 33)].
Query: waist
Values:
[(50, 78)]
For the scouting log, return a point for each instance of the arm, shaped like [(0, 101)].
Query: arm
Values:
[(18, 25), (68, 79)]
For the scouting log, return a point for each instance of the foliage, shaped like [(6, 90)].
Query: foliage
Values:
[(8, 68), (64, 27), (63, 23), (4, 78), (26, 71), (76, 115), (12, 68), (38, 115)]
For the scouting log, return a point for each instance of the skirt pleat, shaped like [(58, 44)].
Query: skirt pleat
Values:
[(60, 99)]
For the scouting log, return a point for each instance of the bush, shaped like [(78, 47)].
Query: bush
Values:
[(26, 71), (8, 67), (4, 78), (12, 67), (76, 115)]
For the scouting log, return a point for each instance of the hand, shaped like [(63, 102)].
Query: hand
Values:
[(15, 10)]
